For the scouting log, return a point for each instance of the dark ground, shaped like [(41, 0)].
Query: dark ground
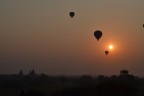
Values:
[(44, 85)]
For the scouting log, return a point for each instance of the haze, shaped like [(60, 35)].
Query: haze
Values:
[(40, 34)]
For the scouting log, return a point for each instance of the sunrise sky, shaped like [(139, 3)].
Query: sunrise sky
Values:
[(40, 34)]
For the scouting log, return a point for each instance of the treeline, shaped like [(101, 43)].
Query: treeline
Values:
[(124, 84)]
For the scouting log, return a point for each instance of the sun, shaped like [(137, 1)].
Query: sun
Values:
[(111, 47)]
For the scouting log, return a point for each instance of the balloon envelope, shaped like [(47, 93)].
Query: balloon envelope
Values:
[(106, 52), (98, 34), (143, 25), (72, 14)]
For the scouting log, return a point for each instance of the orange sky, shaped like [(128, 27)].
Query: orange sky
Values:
[(41, 35)]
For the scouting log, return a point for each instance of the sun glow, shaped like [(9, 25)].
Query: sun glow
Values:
[(111, 47)]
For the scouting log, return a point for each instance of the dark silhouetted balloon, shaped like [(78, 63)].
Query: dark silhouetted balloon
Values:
[(106, 52), (72, 14), (143, 25), (98, 34)]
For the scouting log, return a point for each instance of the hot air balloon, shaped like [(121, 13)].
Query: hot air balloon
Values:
[(106, 52), (72, 14), (98, 34), (143, 25)]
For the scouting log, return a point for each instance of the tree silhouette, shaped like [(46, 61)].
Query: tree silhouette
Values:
[(124, 72), (125, 75)]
